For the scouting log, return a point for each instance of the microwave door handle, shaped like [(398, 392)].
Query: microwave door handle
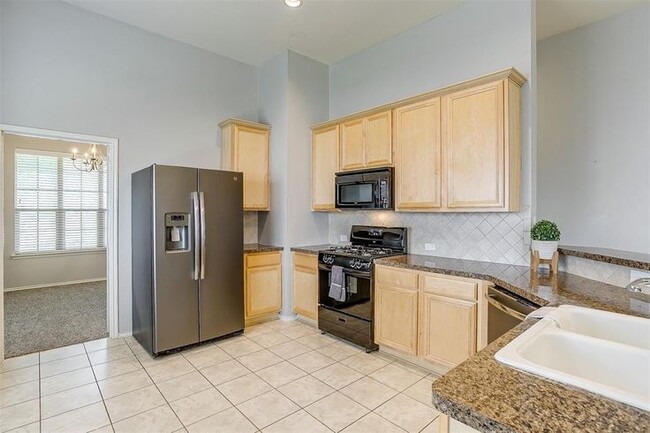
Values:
[(197, 240)]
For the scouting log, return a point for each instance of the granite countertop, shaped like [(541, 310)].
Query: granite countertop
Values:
[(260, 248), (310, 249), (492, 397), (541, 288), (608, 255)]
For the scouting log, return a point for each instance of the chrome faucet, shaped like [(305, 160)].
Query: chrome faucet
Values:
[(640, 285)]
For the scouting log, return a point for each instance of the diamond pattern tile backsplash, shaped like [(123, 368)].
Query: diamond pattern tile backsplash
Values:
[(489, 237), (250, 227), (594, 270)]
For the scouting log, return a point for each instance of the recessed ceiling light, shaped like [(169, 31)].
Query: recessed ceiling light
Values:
[(293, 3)]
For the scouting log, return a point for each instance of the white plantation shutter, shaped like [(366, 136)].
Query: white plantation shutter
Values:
[(57, 207)]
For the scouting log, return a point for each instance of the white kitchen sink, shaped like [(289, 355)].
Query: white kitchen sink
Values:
[(605, 353)]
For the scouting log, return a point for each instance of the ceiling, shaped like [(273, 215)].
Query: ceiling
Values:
[(253, 31), (557, 16)]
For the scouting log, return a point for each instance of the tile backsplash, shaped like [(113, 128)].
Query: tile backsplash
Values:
[(250, 227), (491, 237), (594, 270)]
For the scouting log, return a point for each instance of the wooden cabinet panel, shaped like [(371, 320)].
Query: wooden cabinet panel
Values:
[(352, 144), (389, 276), (325, 164), (245, 148), (263, 284), (473, 134), (305, 285), (396, 318), (378, 143), (417, 156), (458, 289), (447, 329)]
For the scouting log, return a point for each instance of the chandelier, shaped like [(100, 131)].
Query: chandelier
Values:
[(93, 160)]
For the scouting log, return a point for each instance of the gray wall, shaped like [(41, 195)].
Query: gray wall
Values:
[(52, 269), (594, 132), (471, 40), (293, 94), (67, 69)]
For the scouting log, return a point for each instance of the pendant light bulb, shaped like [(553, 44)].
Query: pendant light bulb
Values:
[(293, 3)]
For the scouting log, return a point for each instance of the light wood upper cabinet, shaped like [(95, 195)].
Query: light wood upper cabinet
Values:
[(245, 148), (366, 142), (353, 144), (418, 156), (262, 284), (474, 143), (304, 279), (379, 149), (324, 165)]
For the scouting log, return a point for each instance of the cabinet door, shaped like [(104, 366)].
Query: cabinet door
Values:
[(396, 318), (379, 149), (352, 144), (324, 165), (305, 286), (447, 329), (473, 128), (417, 156), (263, 290), (251, 156)]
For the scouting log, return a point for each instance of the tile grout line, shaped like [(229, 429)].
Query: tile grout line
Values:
[(101, 395), (40, 422)]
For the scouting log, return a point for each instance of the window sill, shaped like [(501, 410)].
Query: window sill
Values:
[(21, 256)]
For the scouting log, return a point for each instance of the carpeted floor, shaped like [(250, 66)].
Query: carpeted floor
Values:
[(41, 319)]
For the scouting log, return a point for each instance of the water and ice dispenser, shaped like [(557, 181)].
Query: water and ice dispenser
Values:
[(177, 232)]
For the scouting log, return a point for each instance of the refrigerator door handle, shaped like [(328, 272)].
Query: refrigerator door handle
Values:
[(197, 239), (202, 205)]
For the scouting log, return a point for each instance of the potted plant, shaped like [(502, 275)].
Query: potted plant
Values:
[(544, 235)]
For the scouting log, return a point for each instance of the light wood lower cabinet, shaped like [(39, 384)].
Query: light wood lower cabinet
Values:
[(304, 279), (396, 313), (263, 285), (437, 318), (448, 330)]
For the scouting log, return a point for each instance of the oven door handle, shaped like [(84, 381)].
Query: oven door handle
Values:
[(347, 271)]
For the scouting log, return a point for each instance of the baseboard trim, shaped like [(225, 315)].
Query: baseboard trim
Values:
[(124, 334), (62, 283)]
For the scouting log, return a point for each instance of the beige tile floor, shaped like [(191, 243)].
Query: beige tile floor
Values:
[(278, 377)]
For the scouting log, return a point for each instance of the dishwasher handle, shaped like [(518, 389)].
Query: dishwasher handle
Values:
[(499, 306)]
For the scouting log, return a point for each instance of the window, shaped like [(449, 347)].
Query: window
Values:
[(57, 207)]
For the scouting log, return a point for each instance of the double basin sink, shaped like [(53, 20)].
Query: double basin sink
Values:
[(598, 351)]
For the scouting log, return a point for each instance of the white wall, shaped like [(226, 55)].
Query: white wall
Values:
[(67, 69), (473, 39), (594, 132), (20, 272)]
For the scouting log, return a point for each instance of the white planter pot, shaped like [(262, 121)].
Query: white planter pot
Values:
[(545, 248)]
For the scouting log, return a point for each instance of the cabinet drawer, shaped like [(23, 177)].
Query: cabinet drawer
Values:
[(263, 259), (466, 290), (305, 261), (395, 277)]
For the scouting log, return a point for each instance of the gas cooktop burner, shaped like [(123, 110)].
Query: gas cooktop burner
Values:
[(361, 251)]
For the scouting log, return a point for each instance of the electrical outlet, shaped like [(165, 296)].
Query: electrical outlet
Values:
[(343, 238), (430, 247)]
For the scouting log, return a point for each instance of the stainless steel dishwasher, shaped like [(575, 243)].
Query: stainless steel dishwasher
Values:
[(505, 311)]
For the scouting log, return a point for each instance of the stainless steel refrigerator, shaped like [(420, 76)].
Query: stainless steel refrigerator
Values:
[(187, 256)]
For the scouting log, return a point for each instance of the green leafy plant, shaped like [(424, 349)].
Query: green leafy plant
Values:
[(545, 230)]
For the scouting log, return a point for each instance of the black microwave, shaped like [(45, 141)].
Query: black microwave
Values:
[(365, 189)]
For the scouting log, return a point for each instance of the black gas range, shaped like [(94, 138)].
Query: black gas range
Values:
[(350, 315)]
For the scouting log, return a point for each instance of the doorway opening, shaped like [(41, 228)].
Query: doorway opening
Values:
[(58, 269)]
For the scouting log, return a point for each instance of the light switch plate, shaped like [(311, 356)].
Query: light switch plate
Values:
[(343, 238), (430, 247)]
